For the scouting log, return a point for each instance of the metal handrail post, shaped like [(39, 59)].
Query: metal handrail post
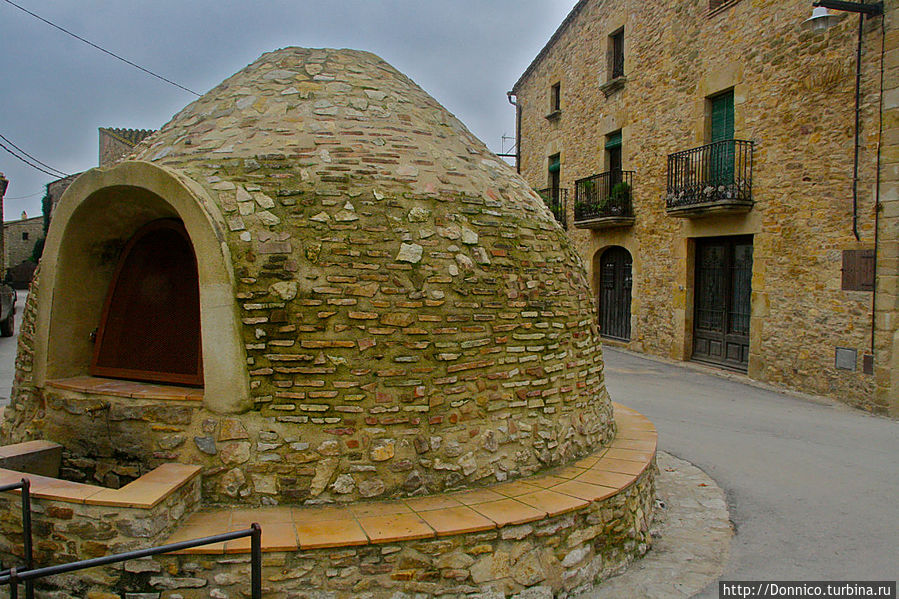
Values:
[(26, 534), (256, 561)]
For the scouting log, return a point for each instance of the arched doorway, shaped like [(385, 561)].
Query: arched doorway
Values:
[(615, 283), (150, 326)]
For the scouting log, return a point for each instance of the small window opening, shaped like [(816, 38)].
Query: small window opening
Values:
[(24, 235), (555, 98), (616, 54)]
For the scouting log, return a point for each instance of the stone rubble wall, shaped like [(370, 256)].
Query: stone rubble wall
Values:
[(64, 532), (794, 97)]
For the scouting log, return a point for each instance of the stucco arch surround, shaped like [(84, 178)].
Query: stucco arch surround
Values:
[(98, 212)]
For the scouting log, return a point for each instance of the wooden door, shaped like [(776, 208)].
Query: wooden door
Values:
[(722, 301), (616, 281), (150, 327)]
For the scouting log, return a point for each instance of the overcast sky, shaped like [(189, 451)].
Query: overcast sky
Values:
[(56, 91)]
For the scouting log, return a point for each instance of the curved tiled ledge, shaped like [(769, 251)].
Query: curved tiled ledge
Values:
[(144, 493), (573, 487)]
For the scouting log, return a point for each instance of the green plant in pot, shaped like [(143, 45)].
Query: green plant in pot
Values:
[(619, 197)]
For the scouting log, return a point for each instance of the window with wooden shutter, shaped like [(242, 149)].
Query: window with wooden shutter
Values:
[(858, 270)]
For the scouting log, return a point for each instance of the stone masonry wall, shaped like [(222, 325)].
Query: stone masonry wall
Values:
[(413, 318), (65, 532), (794, 97)]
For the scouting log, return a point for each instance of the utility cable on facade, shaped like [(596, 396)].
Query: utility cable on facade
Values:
[(90, 43)]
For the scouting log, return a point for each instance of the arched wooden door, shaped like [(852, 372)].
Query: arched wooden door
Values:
[(616, 281), (150, 327)]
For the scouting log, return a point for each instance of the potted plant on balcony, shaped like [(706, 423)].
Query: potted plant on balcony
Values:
[(619, 198)]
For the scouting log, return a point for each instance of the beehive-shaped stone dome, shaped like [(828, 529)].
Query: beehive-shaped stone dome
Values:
[(385, 307)]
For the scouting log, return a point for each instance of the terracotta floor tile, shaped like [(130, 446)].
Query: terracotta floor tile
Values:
[(322, 534), (318, 513), (221, 518), (456, 520), (476, 496), (242, 518), (514, 489), (629, 454), (635, 434), (171, 473), (569, 472), (645, 445), (608, 479), (620, 466), (138, 494), (553, 503), (588, 461), (385, 508), (509, 512), (545, 482), (387, 529), (585, 491), (435, 502), (275, 537), (8, 477), (191, 532), (45, 487)]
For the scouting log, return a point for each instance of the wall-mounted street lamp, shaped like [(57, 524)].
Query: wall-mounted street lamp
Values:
[(822, 18)]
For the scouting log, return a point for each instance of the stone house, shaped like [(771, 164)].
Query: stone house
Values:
[(19, 239), (702, 154)]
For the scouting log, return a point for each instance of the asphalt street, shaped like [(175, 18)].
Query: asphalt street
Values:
[(811, 485), (8, 352)]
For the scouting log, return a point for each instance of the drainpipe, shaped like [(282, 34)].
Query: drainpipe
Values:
[(858, 95), (517, 129)]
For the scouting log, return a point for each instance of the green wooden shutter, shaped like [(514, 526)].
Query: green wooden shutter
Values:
[(613, 141), (554, 164), (723, 117)]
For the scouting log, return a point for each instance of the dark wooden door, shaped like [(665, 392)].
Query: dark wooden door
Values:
[(150, 327), (615, 283), (722, 301)]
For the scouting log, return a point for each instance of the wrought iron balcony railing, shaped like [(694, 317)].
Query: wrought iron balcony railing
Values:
[(717, 173), (606, 195), (556, 199)]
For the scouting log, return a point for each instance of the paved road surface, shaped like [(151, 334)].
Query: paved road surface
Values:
[(813, 487), (8, 352)]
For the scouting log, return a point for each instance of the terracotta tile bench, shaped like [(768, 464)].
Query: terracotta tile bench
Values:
[(120, 388), (562, 490), (144, 493)]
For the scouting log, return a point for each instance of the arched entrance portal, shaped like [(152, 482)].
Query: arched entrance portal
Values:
[(616, 281), (150, 326)]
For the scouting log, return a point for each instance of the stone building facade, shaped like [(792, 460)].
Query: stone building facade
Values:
[(116, 142), (707, 149), (19, 238)]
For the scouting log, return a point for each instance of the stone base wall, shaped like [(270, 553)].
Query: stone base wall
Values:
[(256, 460), (556, 557), (63, 531)]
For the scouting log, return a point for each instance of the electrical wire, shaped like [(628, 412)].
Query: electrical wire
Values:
[(44, 164), (30, 195), (29, 163), (90, 43)]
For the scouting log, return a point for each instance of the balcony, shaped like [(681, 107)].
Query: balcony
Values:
[(556, 199), (712, 179), (604, 200)]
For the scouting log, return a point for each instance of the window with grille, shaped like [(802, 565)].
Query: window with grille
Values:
[(555, 98), (616, 54)]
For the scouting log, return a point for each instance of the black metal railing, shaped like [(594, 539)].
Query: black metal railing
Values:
[(604, 195), (14, 576), (556, 199), (25, 486), (618, 63), (717, 172)]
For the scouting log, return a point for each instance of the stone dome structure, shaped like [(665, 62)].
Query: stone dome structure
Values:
[(379, 306)]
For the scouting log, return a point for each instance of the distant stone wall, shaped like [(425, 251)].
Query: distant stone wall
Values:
[(794, 97), (20, 237)]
